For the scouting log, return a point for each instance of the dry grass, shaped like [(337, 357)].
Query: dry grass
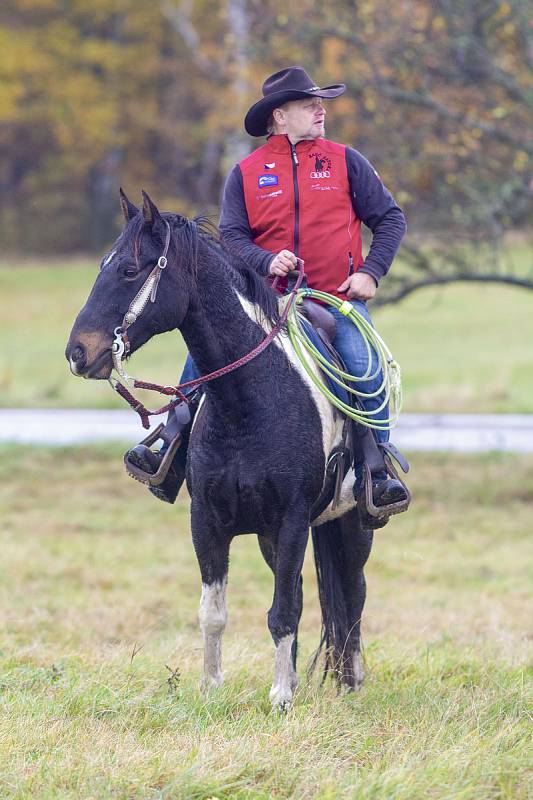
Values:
[(99, 591)]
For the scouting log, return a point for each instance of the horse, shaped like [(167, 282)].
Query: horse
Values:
[(260, 441)]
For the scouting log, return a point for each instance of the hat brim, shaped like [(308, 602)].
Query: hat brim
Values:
[(255, 121)]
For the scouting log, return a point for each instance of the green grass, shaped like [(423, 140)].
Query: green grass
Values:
[(462, 348), (99, 591)]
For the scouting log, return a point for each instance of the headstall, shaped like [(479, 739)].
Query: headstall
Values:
[(148, 291)]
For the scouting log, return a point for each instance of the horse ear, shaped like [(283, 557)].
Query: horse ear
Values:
[(150, 211), (128, 209)]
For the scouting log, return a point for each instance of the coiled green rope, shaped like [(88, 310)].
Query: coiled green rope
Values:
[(385, 363)]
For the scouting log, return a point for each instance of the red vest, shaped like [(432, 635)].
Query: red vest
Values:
[(298, 199)]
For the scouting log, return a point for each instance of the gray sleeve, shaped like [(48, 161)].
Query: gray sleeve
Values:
[(235, 227), (377, 208)]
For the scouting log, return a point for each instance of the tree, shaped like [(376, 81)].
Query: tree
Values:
[(121, 92)]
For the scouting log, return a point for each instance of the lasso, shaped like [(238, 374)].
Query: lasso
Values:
[(386, 365)]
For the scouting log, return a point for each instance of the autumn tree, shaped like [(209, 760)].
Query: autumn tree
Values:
[(94, 95)]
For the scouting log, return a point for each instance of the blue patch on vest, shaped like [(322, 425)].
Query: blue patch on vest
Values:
[(268, 180)]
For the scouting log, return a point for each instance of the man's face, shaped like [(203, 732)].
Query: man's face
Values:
[(301, 119)]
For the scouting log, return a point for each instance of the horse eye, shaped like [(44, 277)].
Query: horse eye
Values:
[(130, 272)]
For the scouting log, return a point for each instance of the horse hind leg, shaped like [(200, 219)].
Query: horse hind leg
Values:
[(341, 551), (356, 545)]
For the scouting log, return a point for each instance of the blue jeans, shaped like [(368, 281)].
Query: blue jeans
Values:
[(351, 347), (189, 370)]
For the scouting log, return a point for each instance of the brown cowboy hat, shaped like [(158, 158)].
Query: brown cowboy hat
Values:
[(292, 83)]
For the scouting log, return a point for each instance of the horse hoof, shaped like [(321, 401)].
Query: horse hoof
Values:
[(355, 681), (281, 699), (211, 682)]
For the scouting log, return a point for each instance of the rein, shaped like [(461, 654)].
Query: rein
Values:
[(121, 346)]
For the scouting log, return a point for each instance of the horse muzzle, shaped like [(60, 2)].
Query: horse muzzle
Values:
[(89, 356)]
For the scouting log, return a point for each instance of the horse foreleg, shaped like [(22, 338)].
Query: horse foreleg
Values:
[(213, 618), (284, 615), (212, 552)]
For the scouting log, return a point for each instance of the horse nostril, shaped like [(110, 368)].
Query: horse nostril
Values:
[(78, 355)]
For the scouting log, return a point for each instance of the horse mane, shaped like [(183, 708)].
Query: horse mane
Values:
[(189, 235), (254, 286)]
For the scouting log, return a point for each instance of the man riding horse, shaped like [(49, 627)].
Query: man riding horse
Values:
[(301, 197)]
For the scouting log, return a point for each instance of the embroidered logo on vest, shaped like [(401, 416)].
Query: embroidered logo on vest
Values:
[(322, 166), (267, 180)]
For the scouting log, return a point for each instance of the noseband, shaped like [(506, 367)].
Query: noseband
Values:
[(148, 291)]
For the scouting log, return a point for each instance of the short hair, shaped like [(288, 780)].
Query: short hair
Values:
[(270, 122)]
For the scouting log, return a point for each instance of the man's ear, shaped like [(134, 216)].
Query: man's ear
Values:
[(128, 209)]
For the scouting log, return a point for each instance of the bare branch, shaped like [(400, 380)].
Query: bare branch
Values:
[(409, 287), (427, 101)]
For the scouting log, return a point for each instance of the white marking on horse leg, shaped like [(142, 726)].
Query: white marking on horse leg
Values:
[(213, 618), (285, 677), (358, 674), (358, 669)]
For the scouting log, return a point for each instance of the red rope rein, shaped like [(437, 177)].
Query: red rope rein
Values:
[(145, 413)]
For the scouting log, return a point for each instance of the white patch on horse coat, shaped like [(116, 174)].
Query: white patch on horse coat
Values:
[(285, 678), (200, 404), (345, 503), (108, 258), (213, 617), (331, 419)]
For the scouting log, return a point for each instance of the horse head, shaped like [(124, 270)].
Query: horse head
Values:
[(123, 274)]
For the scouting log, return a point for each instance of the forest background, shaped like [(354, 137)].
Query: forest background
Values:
[(100, 93)]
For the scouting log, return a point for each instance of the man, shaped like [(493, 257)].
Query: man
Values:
[(302, 196)]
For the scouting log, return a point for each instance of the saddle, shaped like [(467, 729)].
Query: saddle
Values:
[(358, 444), (322, 321)]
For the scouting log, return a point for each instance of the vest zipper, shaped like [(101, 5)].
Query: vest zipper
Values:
[(295, 164)]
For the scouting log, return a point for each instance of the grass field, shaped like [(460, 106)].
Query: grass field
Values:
[(99, 591), (462, 348)]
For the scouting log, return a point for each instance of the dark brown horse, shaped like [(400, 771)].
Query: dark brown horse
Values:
[(260, 442)]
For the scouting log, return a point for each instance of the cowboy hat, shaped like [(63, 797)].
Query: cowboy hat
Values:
[(292, 83)]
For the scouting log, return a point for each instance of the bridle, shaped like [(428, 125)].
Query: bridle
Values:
[(148, 291), (121, 344)]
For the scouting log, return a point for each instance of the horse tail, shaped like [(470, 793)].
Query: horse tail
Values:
[(341, 549), (330, 571)]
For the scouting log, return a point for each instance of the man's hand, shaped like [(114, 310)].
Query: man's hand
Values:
[(284, 262), (359, 286)]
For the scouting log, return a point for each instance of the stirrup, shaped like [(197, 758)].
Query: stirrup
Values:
[(156, 478), (380, 513)]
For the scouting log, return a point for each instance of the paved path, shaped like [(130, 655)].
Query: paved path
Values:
[(457, 432)]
